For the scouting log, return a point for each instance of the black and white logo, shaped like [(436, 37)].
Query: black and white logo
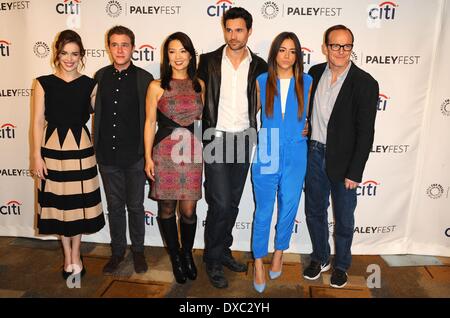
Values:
[(113, 8), (270, 10), (444, 107), (435, 191), (41, 49)]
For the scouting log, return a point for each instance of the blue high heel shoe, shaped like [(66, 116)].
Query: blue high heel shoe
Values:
[(275, 275), (258, 287)]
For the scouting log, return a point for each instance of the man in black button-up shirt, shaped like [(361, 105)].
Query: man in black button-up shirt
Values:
[(119, 133), (119, 144)]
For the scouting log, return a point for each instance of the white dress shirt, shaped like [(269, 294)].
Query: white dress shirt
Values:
[(233, 101)]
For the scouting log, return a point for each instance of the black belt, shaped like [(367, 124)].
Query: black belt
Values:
[(166, 126)]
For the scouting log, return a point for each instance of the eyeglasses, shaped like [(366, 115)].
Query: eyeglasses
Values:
[(337, 47)]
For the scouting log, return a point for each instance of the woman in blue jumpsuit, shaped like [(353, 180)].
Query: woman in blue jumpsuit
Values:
[(280, 161)]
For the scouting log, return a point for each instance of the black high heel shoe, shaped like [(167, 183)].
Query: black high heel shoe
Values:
[(65, 274)]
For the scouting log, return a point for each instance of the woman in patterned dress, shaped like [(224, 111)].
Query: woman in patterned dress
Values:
[(173, 156), (63, 156)]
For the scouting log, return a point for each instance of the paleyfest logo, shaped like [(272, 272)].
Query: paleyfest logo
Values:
[(444, 107), (41, 49), (113, 8), (270, 10), (435, 191), (219, 8)]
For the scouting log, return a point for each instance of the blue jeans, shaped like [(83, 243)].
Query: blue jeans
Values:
[(317, 192)]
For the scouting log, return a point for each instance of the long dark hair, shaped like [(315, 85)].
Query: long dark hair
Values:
[(271, 87), (166, 69), (65, 37)]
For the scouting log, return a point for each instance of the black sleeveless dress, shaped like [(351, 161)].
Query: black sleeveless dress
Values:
[(69, 199)]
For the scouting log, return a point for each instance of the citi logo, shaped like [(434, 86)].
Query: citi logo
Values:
[(4, 47), (219, 8), (150, 218), (7, 131), (296, 225), (368, 188), (145, 52), (306, 55), (385, 11), (11, 208), (69, 7), (382, 102)]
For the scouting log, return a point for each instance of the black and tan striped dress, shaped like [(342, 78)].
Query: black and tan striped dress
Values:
[(69, 199)]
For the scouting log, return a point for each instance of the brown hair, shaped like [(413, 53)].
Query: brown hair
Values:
[(120, 29), (271, 87), (65, 37)]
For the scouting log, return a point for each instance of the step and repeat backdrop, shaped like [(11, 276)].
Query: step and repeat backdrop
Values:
[(403, 201)]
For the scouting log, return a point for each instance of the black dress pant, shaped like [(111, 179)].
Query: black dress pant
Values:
[(224, 184), (124, 186)]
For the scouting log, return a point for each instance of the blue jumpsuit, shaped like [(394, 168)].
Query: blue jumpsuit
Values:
[(279, 167)]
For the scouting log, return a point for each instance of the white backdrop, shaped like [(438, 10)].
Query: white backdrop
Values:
[(403, 202)]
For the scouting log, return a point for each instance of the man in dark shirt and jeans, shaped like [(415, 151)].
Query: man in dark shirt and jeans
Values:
[(119, 144)]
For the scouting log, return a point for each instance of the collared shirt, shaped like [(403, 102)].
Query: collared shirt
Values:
[(233, 101), (324, 100), (119, 125)]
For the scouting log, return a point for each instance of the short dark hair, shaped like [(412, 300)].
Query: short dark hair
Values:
[(65, 37), (334, 28), (236, 13), (120, 29), (166, 69)]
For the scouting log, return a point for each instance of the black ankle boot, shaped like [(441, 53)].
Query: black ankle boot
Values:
[(169, 232), (187, 240)]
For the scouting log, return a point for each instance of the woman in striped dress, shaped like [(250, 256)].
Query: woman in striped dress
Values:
[(63, 156)]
